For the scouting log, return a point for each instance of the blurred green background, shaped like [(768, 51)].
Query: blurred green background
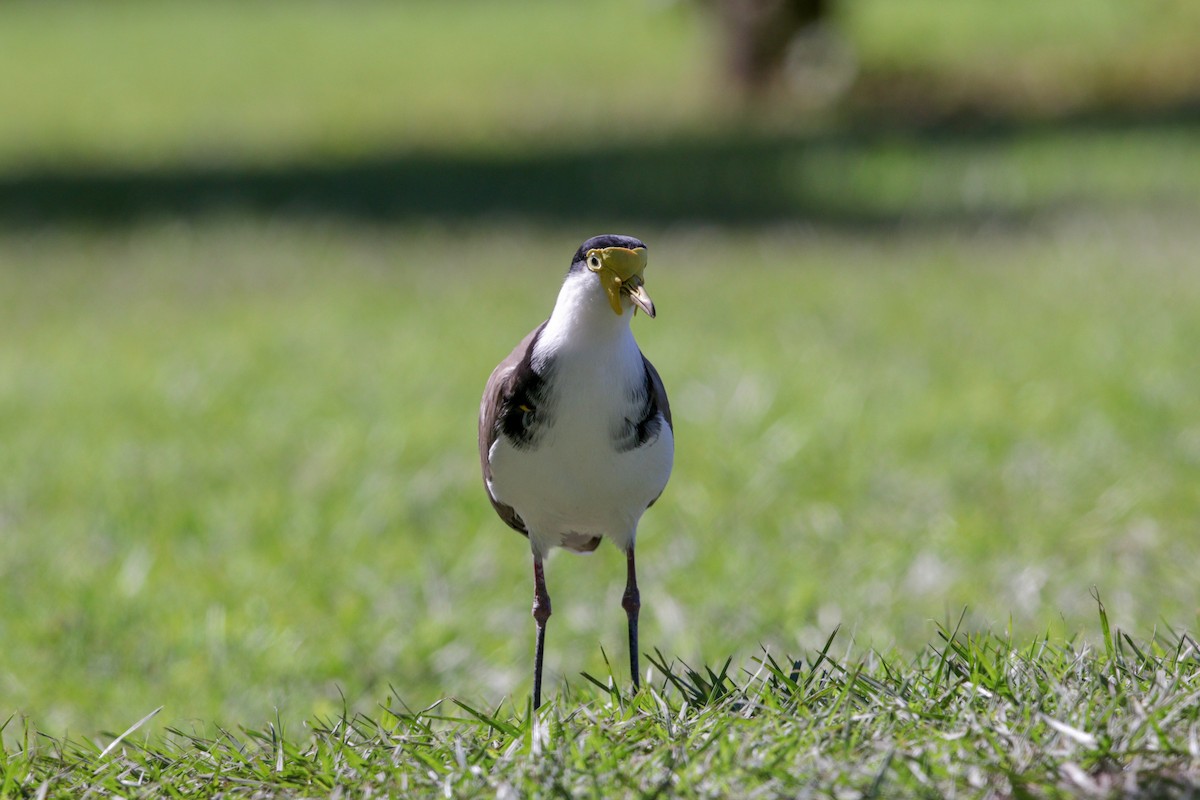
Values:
[(929, 314)]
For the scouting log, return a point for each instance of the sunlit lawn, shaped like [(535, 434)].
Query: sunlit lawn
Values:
[(240, 468), (136, 84), (923, 373)]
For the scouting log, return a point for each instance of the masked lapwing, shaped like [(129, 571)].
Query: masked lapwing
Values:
[(575, 431)]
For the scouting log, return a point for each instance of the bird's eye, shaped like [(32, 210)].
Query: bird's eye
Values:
[(594, 262)]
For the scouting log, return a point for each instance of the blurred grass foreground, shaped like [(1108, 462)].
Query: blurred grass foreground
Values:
[(931, 345)]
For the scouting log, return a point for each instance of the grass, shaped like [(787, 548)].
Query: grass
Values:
[(1032, 59), (383, 115), (230, 488), (233, 493), (227, 81), (133, 84), (971, 715), (856, 178)]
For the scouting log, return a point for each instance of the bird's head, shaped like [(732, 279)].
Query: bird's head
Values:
[(617, 263)]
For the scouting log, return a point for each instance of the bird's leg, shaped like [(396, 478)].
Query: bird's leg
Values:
[(632, 603), (541, 613)]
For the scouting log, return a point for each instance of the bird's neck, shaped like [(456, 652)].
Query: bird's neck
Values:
[(582, 317)]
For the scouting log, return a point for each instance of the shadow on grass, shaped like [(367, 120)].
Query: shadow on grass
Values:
[(731, 177)]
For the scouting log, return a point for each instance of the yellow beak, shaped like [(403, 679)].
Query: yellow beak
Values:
[(620, 272)]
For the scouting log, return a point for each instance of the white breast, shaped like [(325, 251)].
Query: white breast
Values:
[(575, 482)]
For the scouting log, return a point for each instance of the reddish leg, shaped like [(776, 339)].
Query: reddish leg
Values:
[(632, 603), (541, 613)]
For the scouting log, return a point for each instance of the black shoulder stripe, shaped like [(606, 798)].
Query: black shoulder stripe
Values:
[(644, 425), (527, 409)]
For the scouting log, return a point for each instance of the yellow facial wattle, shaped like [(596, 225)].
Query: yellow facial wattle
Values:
[(620, 272)]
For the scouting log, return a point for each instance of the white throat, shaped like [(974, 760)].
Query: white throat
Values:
[(583, 319)]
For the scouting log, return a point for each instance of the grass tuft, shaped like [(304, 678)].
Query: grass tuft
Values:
[(973, 713)]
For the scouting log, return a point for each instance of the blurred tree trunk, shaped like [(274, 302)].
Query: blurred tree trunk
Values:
[(757, 36)]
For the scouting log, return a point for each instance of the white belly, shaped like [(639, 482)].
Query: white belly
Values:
[(575, 482)]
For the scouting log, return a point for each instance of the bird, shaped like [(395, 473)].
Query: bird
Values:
[(575, 432)]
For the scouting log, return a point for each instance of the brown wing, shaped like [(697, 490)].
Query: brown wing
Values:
[(660, 399), (506, 381), (660, 392)]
